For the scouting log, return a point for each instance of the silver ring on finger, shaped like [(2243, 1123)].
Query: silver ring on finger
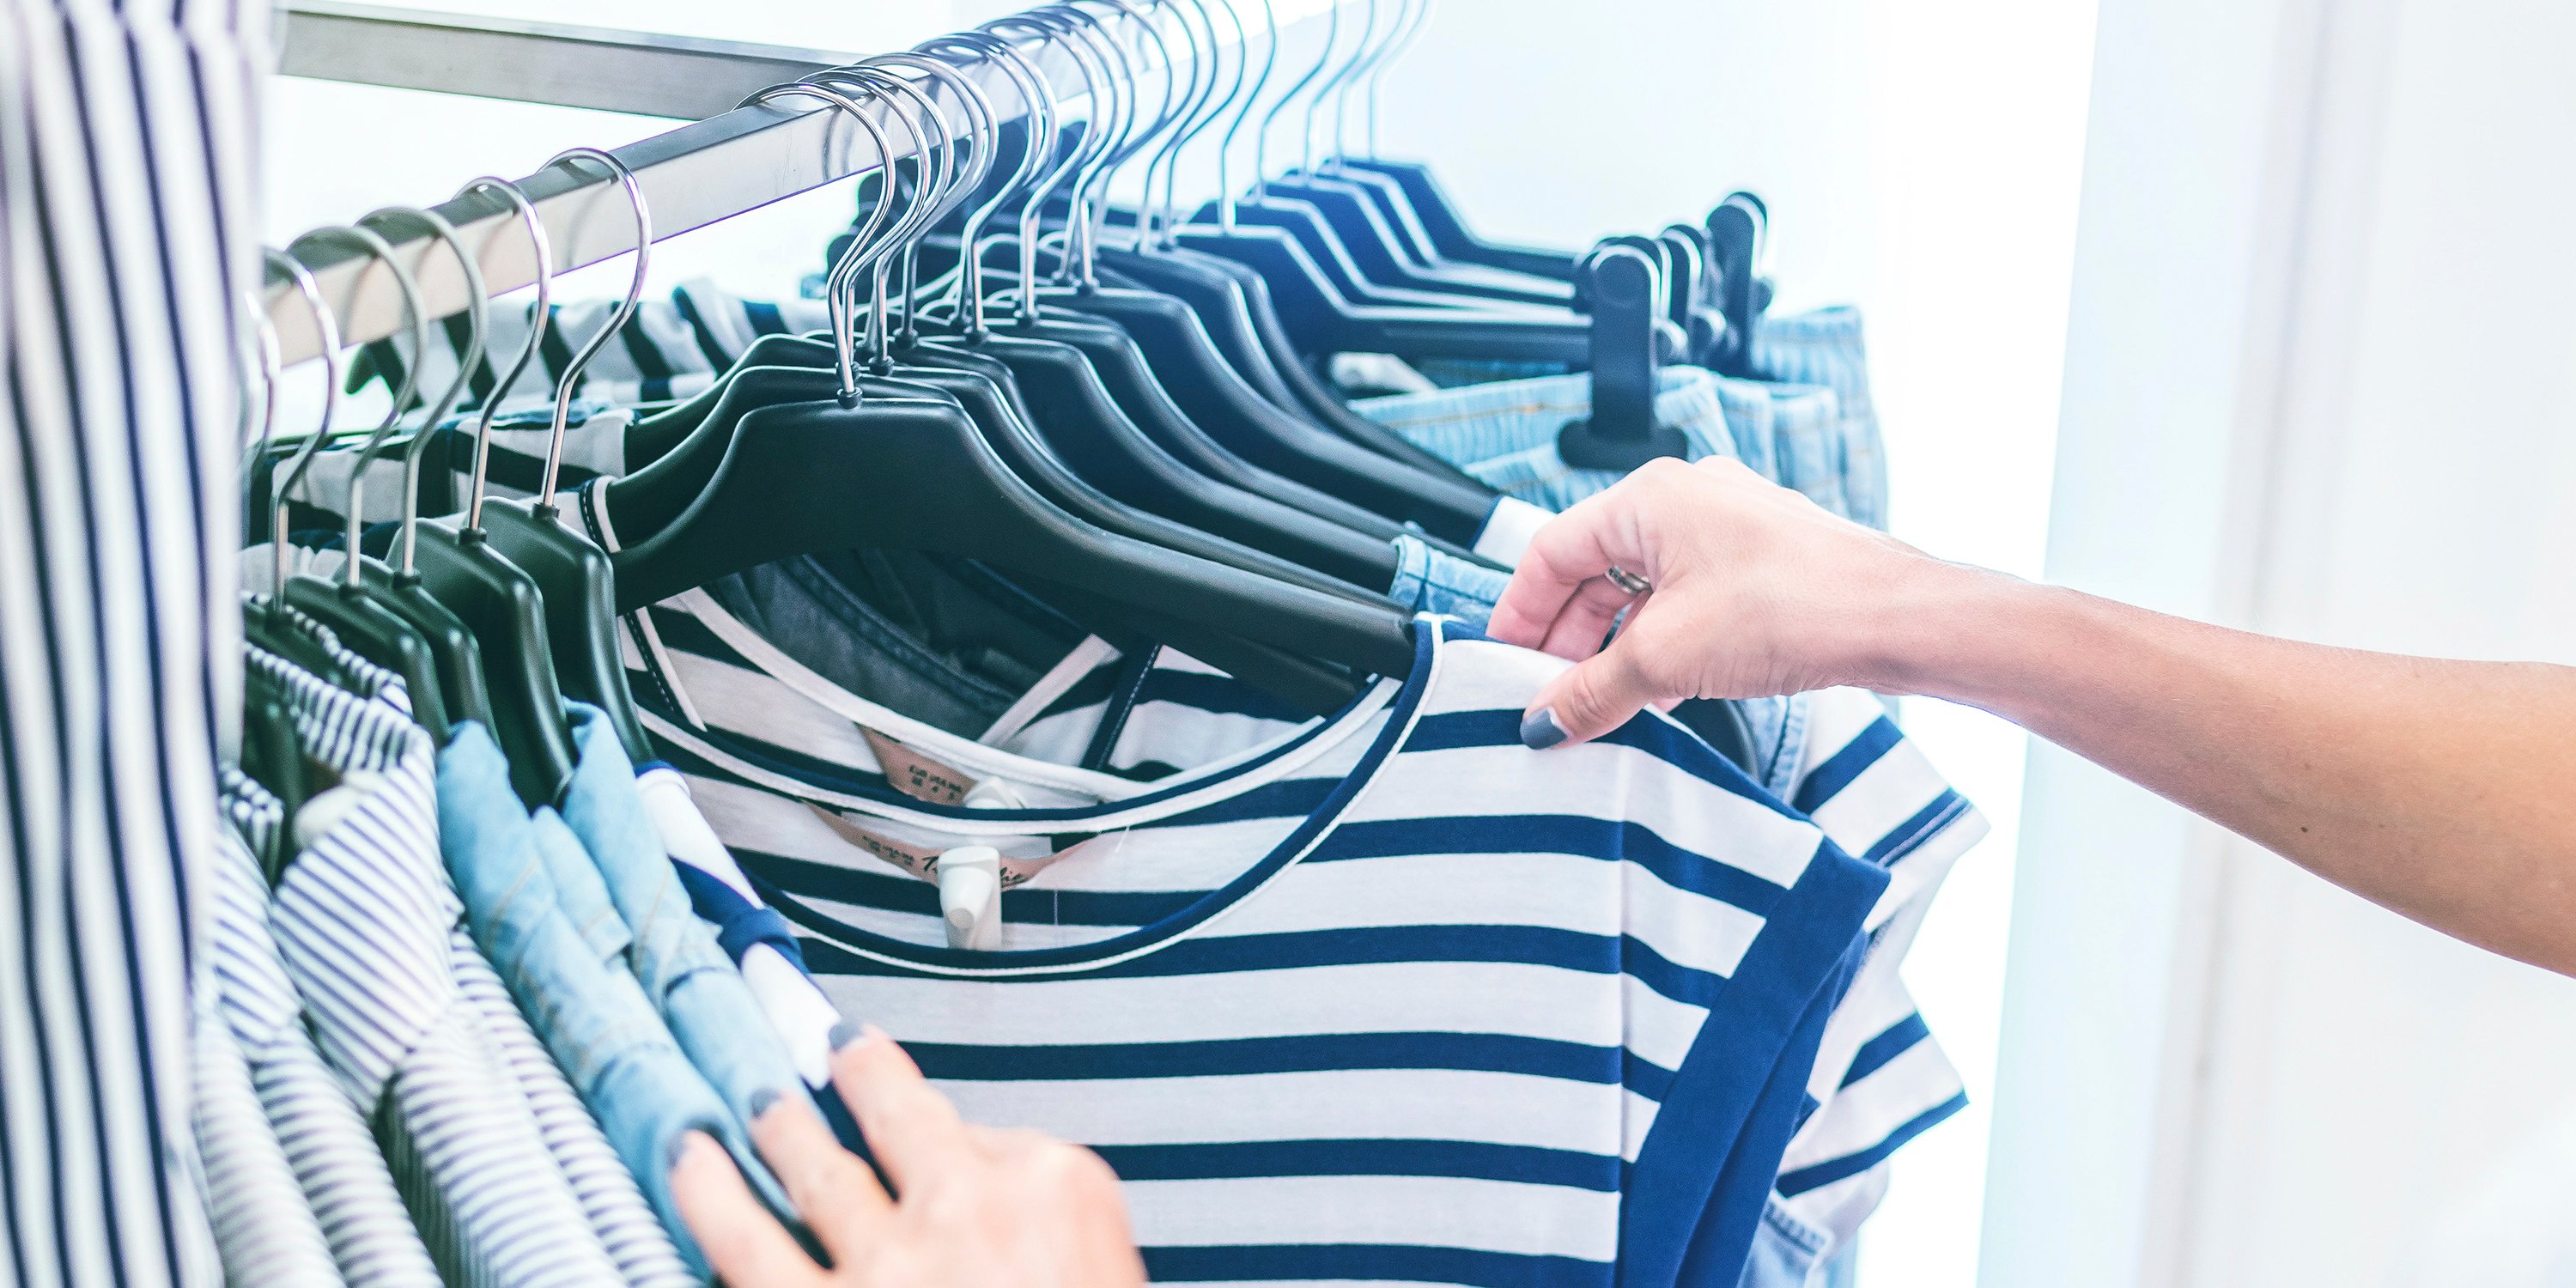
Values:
[(1628, 581)]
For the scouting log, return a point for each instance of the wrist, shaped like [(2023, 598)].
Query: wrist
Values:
[(1947, 631)]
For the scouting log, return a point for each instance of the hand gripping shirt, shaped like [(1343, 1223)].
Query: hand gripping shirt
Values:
[(1388, 998), (1879, 1078)]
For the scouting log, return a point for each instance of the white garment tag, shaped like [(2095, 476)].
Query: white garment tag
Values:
[(1509, 529)]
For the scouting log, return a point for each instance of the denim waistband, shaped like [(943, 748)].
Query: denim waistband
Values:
[(1505, 433)]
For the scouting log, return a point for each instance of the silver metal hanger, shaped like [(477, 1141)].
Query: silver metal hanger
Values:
[(287, 482), (408, 287), (838, 292), (544, 507), (468, 360), (542, 259), (326, 328)]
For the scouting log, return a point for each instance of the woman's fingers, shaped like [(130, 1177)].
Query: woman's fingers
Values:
[(1584, 624), (1563, 561), (913, 1130), (1599, 694), (744, 1243), (838, 1196)]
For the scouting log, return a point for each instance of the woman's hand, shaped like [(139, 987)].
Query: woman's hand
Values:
[(979, 1209), (1757, 592)]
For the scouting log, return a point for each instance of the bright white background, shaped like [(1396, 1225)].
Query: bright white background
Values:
[(1923, 161)]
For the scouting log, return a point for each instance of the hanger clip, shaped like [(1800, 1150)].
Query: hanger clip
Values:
[(1630, 339)]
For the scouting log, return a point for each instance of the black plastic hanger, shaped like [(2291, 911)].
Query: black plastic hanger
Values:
[(918, 474), (573, 575), (496, 599), (344, 603), (1735, 235), (273, 755), (264, 620), (1215, 396), (913, 474), (1623, 431)]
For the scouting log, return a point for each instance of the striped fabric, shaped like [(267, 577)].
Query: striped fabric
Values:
[(606, 1190), (127, 183), (336, 1162), (362, 919), (618, 1213), (1879, 1080), (264, 1230), (1294, 1075), (1391, 999)]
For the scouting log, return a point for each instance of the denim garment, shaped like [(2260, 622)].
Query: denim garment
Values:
[(1807, 434), (596, 1021), (944, 643), (1825, 348), (702, 996), (1505, 434), (1428, 581), (1748, 406)]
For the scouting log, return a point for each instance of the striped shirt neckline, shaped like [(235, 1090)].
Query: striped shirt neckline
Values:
[(1380, 719)]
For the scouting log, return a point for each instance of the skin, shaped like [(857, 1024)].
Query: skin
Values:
[(2437, 789), (974, 1207)]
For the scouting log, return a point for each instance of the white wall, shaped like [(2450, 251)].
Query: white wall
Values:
[(2316, 385)]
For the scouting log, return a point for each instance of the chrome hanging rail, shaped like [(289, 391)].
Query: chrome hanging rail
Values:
[(711, 170)]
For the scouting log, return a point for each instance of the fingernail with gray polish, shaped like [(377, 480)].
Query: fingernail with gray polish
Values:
[(1540, 731), (845, 1033), (762, 1101), (679, 1149)]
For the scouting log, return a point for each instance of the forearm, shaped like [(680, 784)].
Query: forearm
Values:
[(2443, 790)]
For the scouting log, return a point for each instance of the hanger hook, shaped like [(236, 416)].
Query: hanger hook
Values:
[(408, 287), (468, 360), (1090, 211), (1212, 108), (1251, 103), (542, 256), (380, 251), (1039, 99), (932, 200), (1113, 97), (1261, 147), (1338, 88), (1172, 127), (854, 260), (571, 378), (928, 194), (1416, 19), (984, 150), (326, 331), (1051, 28)]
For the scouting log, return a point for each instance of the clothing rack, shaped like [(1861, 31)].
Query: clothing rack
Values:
[(711, 170), (607, 69)]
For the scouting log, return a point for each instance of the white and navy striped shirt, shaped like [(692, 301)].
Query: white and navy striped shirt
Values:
[(128, 180), (1388, 997), (336, 1161)]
